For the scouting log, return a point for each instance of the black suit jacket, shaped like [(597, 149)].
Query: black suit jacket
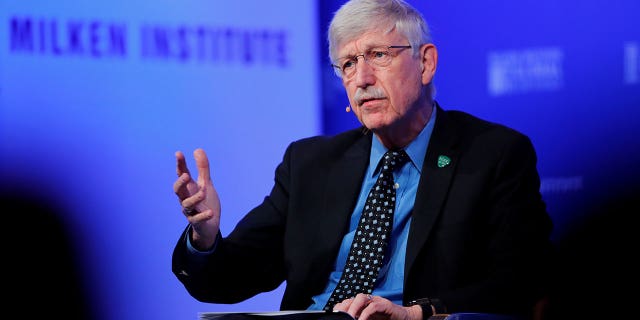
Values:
[(478, 239)]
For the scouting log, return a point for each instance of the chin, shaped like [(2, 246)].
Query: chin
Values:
[(374, 125), (375, 121)]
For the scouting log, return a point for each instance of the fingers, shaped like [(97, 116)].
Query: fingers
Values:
[(189, 203), (180, 187), (202, 163), (354, 306), (369, 310), (181, 163), (359, 303), (381, 308), (199, 199), (368, 307), (185, 187), (198, 217)]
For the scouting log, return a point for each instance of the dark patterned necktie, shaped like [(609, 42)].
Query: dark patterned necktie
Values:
[(370, 240)]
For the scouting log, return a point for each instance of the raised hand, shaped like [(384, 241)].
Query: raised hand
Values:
[(199, 199)]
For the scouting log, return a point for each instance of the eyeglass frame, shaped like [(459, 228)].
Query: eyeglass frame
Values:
[(338, 70)]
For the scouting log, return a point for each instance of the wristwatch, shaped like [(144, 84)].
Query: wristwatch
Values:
[(429, 306)]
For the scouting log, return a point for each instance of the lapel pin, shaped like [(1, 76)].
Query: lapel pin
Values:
[(443, 161)]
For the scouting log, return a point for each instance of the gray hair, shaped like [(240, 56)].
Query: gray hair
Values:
[(356, 17)]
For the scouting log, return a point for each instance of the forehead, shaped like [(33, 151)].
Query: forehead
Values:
[(368, 40)]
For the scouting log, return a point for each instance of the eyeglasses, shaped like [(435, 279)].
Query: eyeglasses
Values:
[(377, 57)]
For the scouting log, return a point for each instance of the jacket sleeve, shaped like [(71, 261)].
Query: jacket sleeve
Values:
[(488, 247), (247, 262)]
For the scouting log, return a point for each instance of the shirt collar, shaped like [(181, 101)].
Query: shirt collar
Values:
[(417, 149)]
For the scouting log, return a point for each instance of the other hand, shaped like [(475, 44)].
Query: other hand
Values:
[(368, 307)]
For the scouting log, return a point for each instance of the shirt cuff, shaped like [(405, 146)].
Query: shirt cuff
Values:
[(192, 250)]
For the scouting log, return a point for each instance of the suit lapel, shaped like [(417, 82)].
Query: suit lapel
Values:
[(342, 190), (437, 172)]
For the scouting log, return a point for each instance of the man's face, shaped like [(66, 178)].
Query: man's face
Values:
[(385, 97)]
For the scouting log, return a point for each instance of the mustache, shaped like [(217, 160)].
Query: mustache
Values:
[(368, 93)]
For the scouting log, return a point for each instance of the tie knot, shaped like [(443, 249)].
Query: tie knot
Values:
[(394, 159)]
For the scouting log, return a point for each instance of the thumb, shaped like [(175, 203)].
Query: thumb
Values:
[(202, 163)]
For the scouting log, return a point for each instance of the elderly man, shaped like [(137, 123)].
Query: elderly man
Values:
[(420, 211)]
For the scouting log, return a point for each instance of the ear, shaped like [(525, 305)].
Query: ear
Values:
[(429, 62)]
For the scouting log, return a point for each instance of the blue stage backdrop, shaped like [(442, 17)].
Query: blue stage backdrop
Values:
[(95, 98)]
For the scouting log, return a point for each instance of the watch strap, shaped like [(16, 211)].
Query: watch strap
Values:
[(430, 307)]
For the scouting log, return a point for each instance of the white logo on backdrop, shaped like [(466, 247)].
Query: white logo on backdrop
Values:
[(631, 63), (526, 70)]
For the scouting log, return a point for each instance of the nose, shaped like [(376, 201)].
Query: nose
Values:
[(364, 76)]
